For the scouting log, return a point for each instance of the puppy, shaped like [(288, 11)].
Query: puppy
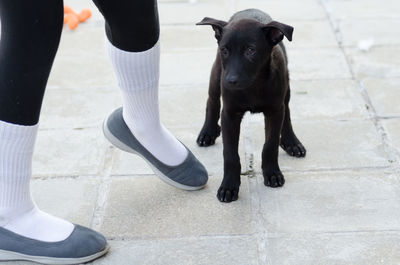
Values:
[(251, 73)]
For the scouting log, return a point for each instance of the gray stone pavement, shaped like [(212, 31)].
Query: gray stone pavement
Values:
[(340, 205)]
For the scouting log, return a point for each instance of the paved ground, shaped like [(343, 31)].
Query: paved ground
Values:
[(340, 205)]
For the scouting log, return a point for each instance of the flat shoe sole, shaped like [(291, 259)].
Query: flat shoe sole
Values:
[(14, 256)]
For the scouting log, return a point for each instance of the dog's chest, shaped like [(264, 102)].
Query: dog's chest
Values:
[(257, 102)]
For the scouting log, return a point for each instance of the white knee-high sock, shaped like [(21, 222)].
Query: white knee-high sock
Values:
[(18, 213), (138, 77)]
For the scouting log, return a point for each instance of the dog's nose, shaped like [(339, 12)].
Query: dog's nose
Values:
[(232, 80)]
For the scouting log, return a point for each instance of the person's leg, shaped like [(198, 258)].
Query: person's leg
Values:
[(132, 30), (30, 34)]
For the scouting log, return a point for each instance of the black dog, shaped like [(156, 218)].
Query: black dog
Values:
[(251, 72)]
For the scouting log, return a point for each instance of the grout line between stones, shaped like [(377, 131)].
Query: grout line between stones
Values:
[(257, 219), (301, 234), (392, 153), (103, 190), (250, 172)]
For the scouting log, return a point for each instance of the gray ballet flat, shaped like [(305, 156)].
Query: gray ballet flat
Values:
[(190, 175), (83, 245)]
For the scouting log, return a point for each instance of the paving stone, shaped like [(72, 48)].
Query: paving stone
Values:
[(384, 95), (379, 62), (311, 33), (145, 207), (127, 164), (329, 144), (309, 101), (183, 106), (192, 13), (190, 251), (191, 37), (92, 40), (333, 248), (78, 108), (282, 10), (74, 65), (69, 152), (393, 130), (363, 9), (331, 202), (82, 69), (186, 68), (325, 99), (73, 199), (317, 63), (354, 30), (82, 41)]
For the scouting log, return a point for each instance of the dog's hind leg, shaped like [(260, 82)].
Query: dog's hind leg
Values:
[(289, 142), (211, 130)]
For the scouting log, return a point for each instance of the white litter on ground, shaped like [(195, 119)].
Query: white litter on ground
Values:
[(365, 45)]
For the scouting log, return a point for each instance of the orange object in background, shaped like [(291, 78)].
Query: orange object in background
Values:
[(84, 15), (72, 19)]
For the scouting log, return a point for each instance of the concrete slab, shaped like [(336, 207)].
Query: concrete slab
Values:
[(284, 10), (78, 108), (191, 38), (384, 94), (127, 164), (184, 106), (393, 130), (317, 63), (331, 202), (69, 152), (92, 69), (192, 13), (73, 199), (312, 33), (335, 248), (325, 99), (186, 68), (343, 9), (147, 208), (330, 145), (355, 30), (379, 62), (186, 251)]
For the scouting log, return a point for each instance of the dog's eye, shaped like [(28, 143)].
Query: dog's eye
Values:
[(224, 51), (250, 51)]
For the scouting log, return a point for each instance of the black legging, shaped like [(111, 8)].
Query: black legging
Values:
[(30, 34)]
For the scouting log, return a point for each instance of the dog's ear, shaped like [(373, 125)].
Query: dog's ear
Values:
[(275, 31), (217, 26)]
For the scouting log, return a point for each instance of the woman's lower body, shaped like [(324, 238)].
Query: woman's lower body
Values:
[(30, 34)]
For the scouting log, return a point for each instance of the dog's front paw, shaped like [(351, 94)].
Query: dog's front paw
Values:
[(208, 135), (273, 178), (294, 148), (227, 194)]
